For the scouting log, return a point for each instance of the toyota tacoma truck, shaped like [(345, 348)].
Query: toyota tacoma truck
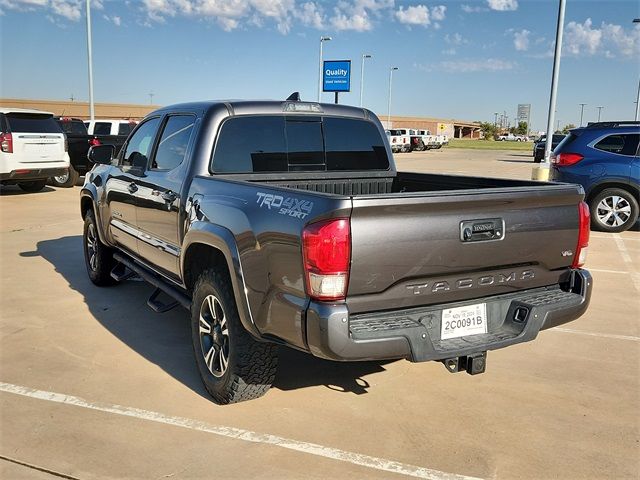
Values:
[(304, 234)]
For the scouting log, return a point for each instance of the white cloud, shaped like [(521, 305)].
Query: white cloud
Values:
[(449, 51), (470, 66), (357, 22), (414, 15), (116, 20), (503, 5), (438, 13), (521, 40), (421, 15), (357, 15), (455, 39), (609, 40), (475, 9)]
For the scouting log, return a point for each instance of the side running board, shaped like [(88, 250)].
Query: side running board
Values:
[(162, 286)]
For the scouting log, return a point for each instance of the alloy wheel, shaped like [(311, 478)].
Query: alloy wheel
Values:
[(214, 336), (613, 211), (92, 247)]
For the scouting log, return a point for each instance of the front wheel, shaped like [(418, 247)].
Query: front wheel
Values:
[(613, 210), (67, 179), (98, 258), (234, 366)]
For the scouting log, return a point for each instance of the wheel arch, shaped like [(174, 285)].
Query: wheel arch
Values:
[(597, 189), (207, 245)]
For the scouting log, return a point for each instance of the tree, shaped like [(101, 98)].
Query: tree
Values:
[(522, 129), (568, 127), (489, 130)]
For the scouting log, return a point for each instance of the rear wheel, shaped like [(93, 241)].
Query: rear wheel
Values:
[(613, 210), (233, 365), (34, 186), (67, 179)]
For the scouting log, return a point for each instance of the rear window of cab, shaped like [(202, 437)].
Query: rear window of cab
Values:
[(277, 143)]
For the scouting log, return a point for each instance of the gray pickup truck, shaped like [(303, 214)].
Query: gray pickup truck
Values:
[(286, 223)]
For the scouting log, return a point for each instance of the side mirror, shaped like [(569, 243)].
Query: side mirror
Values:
[(101, 154)]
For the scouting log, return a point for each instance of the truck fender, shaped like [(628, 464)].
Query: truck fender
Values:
[(221, 239), (88, 195)]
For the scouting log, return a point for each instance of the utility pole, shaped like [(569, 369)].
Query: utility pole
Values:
[(151, 95), (541, 171), (364, 55), (92, 112), (581, 111), (391, 69), (599, 111), (322, 40)]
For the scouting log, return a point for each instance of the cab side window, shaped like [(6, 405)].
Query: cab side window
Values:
[(173, 142), (140, 144)]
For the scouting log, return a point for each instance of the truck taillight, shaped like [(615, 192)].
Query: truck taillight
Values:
[(566, 159), (94, 142), (326, 249), (580, 256), (6, 142)]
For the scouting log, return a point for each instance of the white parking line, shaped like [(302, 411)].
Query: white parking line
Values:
[(622, 248), (239, 434), (601, 270), (592, 334)]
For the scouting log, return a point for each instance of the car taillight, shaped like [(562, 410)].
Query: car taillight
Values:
[(565, 159), (6, 142), (94, 142), (580, 256), (326, 248), (393, 140)]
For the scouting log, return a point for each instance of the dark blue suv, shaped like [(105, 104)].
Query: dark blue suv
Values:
[(604, 158)]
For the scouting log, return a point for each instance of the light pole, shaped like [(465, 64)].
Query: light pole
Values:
[(541, 172), (364, 55), (637, 20), (391, 69), (92, 112), (581, 111), (599, 111), (322, 40)]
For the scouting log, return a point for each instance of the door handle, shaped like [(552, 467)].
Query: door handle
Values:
[(132, 187), (169, 196)]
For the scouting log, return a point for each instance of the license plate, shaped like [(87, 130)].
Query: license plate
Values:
[(464, 321)]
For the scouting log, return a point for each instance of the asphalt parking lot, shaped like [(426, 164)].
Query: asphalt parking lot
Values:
[(93, 384)]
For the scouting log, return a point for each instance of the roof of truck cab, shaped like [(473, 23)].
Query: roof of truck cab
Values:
[(245, 107)]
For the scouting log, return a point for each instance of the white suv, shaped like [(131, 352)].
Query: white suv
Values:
[(32, 148)]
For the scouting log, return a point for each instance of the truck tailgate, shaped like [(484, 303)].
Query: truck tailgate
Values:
[(427, 248)]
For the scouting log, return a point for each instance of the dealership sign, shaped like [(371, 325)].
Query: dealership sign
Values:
[(336, 76)]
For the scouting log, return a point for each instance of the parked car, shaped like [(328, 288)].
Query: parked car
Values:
[(539, 146), (400, 140), (117, 127), (79, 141), (604, 158), (32, 148), (510, 137), (304, 234)]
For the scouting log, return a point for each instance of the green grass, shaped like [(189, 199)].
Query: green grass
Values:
[(489, 145)]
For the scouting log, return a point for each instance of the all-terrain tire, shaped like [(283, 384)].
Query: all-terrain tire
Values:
[(33, 186), (98, 258), (233, 365)]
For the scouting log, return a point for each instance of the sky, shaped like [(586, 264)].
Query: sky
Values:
[(456, 59)]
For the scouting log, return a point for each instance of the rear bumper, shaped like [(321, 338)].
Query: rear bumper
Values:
[(414, 333), (30, 174)]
